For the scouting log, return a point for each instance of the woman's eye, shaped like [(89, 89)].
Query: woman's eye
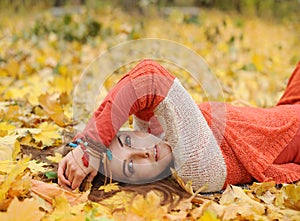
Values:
[(130, 166), (128, 141)]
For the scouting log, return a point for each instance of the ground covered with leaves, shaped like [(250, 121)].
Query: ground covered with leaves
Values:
[(42, 56)]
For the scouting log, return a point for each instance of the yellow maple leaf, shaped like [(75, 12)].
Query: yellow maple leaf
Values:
[(12, 113), (35, 86), (7, 146), (292, 199), (6, 166), (109, 187), (117, 202), (64, 211), (13, 68), (5, 128), (28, 140), (20, 187), (55, 159), (48, 135), (61, 83), (27, 210), (17, 169), (239, 203), (209, 216), (36, 167), (258, 61), (16, 150), (147, 207), (16, 93)]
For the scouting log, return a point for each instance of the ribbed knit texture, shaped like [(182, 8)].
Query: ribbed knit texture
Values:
[(253, 139), (196, 153)]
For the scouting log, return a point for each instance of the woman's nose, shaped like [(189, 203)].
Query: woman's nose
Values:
[(144, 153)]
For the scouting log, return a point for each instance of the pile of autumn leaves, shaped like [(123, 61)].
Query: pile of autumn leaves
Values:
[(38, 73)]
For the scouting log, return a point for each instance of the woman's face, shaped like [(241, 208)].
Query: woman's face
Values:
[(138, 157)]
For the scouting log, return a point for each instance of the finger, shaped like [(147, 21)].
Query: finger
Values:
[(77, 181), (61, 174), (66, 187), (91, 176), (70, 173)]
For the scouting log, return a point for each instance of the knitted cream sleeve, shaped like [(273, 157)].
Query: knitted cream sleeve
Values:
[(197, 156), (152, 126)]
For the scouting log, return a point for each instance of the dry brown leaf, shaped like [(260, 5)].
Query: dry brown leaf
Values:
[(49, 190)]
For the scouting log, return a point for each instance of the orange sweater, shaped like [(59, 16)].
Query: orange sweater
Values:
[(241, 143)]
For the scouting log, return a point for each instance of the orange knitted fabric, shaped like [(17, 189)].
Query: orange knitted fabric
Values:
[(291, 154), (292, 93), (253, 139)]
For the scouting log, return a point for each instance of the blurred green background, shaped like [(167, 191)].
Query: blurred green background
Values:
[(278, 9)]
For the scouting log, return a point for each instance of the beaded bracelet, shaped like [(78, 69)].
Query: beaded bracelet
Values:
[(86, 158)]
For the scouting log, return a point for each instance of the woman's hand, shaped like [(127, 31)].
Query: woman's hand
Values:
[(71, 171)]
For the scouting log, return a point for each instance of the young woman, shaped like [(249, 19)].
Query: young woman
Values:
[(211, 144)]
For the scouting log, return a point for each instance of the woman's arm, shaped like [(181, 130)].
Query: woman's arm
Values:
[(138, 92)]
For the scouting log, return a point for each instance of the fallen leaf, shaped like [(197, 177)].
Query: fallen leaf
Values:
[(49, 134), (5, 128), (36, 167), (292, 196), (240, 205), (48, 191), (62, 84), (148, 208), (17, 169), (7, 147), (109, 187), (54, 109), (209, 216), (13, 68), (20, 187), (55, 159), (27, 210), (51, 175), (64, 211)]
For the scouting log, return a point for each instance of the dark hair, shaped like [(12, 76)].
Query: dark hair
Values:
[(168, 187)]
